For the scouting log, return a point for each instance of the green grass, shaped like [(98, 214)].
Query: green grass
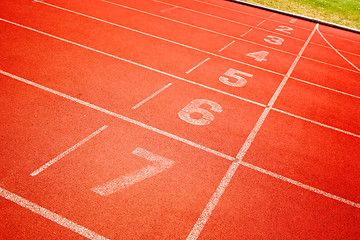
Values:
[(343, 12)]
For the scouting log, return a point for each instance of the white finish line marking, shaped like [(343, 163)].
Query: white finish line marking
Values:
[(159, 165), (204, 217), (318, 30), (188, 142), (226, 46), (198, 65), (54, 160), (50, 215), (151, 96)]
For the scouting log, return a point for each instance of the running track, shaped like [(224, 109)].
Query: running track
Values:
[(164, 119)]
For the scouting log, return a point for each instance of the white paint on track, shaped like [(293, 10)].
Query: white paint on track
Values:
[(169, 9), (151, 96), (54, 160), (318, 30), (198, 65), (56, 218), (134, 63), (243, 35), (260, 23), (226, 46), (204, 217)]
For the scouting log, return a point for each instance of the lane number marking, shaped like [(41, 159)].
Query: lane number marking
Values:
[(233, 73), (194, 114), (274, 40), (259, 56), (284, 29), (159, 164)]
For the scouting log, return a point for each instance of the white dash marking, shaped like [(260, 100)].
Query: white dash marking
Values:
[(159, 165), (169, 9), (246, 33), (260, 23), (318, 30), (205, 215), (293, 20), (151, 96), (198, 65), (56, 218), (226, 46), (54, 160)]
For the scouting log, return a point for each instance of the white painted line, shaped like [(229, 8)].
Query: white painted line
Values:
[(134, 63), (119, 116), (56, 218), (226, 46), (301, 185), (169, 9), (197, 27), (204, 217), (153, 36), (318, 30), (54, 160), (329, 64), (327, 88), (198, 65), (293, 20), (190, 143), (260, 23), (317, 123), (159, 165), (246, 33), (151, 96), (229, 20)]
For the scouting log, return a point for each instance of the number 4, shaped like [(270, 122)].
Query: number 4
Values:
[(259, 56)]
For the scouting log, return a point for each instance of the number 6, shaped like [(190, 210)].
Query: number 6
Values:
[(194, 107)]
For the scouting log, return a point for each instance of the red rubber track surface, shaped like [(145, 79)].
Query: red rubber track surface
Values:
[(203, 140)]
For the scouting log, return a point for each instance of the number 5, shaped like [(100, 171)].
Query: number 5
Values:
[(240, 81)]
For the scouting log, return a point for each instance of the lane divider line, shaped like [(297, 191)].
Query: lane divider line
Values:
[(197, 27), (318, 30), (198, 65), (63, 154), (215, 198), (54, 217), (161, 38), (151, 96), (119, 116), (188, 142), (226, 46), (134, 63)]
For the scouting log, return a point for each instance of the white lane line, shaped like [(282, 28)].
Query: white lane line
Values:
[(293, 20), (327, 88), (157, 37), (190, 143), (119, 116), (301, 185), (204, 217), (229, 20), (137, 64), (197, 27), (243, 35), (151, 96), (226, 46), (169, 9), (56, 218), (329, 64), (198, 65), (260, 23), (317, 123), (318, 30), (159, 164), (54, 160)]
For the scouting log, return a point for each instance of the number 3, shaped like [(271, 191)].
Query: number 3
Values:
[(274, 40)]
